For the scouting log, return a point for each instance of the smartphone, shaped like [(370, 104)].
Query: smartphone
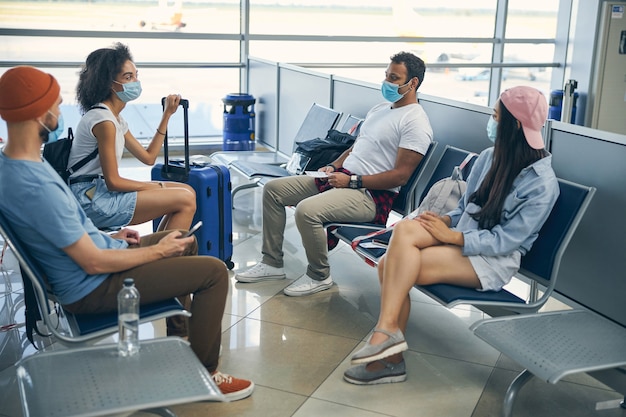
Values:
[(374, 244), (380, 243), (194, 229)]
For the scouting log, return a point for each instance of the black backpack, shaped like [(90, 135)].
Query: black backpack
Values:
[(58, 154), (318, 152)]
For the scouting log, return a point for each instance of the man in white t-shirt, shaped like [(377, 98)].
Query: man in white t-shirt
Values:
[(361, 184)]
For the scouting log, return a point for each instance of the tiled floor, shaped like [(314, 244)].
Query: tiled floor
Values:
[(296, 349)]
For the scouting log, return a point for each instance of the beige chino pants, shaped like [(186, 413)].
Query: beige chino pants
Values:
[(313, 209)]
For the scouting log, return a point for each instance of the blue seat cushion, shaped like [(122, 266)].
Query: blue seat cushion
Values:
[(89, 323), (348, 233), (450, 293)]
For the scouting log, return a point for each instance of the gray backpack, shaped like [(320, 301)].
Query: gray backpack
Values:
[(445, 194)]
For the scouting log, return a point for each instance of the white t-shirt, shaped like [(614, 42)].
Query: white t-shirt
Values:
[(383, 132), (85, 141)]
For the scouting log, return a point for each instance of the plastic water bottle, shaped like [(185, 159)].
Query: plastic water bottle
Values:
[(128, 318)]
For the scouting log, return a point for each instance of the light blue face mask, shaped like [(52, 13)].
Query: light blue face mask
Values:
[(492, 129), (54, 135), (131, 91), (390, 91)]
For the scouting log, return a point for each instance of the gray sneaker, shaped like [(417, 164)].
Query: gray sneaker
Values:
[(369, 353), (306, 285), (392, 372), (260, 272)]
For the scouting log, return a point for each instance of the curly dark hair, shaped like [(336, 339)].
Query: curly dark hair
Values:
[(96, 76), (511, 154), (415, 66)]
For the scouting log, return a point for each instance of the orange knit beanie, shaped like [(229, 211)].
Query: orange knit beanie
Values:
[(26, 93)]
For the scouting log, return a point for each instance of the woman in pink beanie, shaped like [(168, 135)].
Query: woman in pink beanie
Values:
[(510, 193)]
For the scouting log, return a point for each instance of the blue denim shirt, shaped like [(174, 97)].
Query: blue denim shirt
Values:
[(526, 208)]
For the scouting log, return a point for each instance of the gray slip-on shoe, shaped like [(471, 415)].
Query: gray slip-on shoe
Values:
[(392, 372), (370, 353)]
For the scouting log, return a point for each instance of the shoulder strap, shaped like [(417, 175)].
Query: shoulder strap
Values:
[(78, 165), (467, 160)]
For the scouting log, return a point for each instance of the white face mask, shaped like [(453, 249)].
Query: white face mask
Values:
[(54, 135), (131, 91), (492, 129)]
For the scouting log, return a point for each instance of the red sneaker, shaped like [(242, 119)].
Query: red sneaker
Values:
[(233, 388)]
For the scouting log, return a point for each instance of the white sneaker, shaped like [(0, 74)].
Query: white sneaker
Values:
[(306, 285), (260, 272)]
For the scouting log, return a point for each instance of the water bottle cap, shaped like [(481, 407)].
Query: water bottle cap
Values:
[(128, 282)]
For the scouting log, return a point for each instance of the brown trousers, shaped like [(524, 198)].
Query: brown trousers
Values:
[(203, 276)]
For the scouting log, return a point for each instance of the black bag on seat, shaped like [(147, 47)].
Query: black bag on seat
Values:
[(316, 153)]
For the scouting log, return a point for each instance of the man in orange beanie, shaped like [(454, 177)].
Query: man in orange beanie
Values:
[(27, 94), (85, 267)]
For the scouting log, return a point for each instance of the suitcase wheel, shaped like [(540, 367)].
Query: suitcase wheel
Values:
[(229, 264)]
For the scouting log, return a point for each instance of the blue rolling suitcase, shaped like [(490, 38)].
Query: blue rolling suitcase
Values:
[(213, 197)]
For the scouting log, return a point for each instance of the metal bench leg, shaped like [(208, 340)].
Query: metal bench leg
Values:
[(161, 411), (243, 187), (511, 392)]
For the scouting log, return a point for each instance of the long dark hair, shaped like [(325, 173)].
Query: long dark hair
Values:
[(511, 154), (98, 73)]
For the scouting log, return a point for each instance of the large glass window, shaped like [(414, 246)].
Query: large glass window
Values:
[(193, 47), (456, 38), (114, 15)]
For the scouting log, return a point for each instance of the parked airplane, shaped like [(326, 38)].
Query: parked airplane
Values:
[(168, 15)]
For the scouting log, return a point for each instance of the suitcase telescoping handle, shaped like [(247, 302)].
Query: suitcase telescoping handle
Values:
[(172, 172)]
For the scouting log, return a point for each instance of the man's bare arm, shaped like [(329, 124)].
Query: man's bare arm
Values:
[(406, 162)]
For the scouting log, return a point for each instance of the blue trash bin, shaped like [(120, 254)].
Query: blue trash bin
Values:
[(556, 106), (239, 122)]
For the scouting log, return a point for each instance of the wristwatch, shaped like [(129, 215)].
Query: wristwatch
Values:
[(354, 181)]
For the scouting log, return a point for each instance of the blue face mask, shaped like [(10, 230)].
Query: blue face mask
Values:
[(54, 135), (131, 91), (390, 91), (492, 129)]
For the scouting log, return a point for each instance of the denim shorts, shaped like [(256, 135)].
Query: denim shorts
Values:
[(107, 209), (494, 272)]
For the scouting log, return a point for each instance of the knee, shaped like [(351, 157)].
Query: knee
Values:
[(271, 187), (405, 228), (188, 188), (215, 273), (270, 193), (401, 227), (305, 213), (190, 199)]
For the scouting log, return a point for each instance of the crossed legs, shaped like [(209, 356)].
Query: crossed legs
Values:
[(414, 257)]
